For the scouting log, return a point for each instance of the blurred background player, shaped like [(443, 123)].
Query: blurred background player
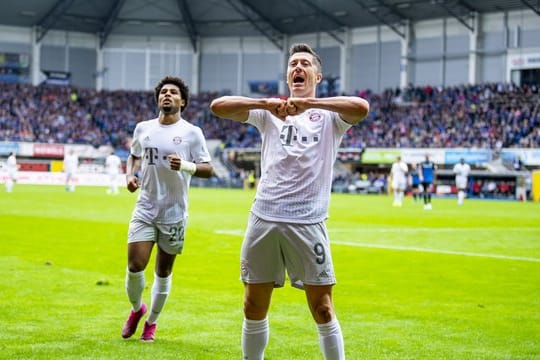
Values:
[(462, 170), (12, 169), (71, 163), (112, 167), (399, 180), (414, 181), (168, 150), (427, 177)]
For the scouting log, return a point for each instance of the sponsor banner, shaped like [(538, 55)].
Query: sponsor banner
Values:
[(529, 157), (7, 147), (264, 87), (380, 156), (476, 157), (49, 150), (59, 178), (524, 61), (411, 155)]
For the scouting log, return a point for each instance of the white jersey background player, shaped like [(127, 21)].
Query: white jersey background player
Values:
[(71, 163), (12, 170), (399, 180), (168, 151), (112, 168), (286, 230), (462, 170)]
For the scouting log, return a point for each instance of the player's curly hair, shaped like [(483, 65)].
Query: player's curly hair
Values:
[(300, 47), (184, 90)]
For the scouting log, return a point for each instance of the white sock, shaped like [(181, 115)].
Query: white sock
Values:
[(134, 288), (331, 340), (255, 335), (9, 185), (160, 291), (461, 196)]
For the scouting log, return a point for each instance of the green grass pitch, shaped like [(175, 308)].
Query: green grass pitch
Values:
[(451, 283)]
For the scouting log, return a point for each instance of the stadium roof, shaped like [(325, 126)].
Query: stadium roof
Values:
[(210, 18)]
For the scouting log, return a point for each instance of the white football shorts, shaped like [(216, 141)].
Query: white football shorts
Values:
[(169, 237), (271, 248)]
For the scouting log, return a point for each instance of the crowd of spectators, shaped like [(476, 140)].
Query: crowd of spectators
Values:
[(489, 116)]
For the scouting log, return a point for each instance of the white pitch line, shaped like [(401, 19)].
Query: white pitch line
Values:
[(436, 251), (407, 248), (431, 230)]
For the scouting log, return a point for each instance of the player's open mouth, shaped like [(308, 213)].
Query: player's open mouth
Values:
[(298, 79)]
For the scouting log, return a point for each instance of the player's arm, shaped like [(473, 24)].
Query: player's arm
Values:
[(202, 169), (133, 164), (351, 109), (237, 107)]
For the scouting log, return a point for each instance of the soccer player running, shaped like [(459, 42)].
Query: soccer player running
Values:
[(286, 229), (462, 170), (168, 151), (427, 176), (398, 172)]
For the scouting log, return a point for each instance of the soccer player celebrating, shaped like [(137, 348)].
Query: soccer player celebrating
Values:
[(462, 170), (169, 151), (286, 228), (427, 176)]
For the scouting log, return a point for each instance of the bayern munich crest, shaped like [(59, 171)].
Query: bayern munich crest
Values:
[(315, 116)]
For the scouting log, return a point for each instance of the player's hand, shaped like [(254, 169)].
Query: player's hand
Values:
[(174, 161), (296, 106), (278, 107), (132, 183)]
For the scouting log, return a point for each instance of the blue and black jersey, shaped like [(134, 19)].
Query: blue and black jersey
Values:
[(428, 171)]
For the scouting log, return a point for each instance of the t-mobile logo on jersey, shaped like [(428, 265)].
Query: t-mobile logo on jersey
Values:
[(289, 134), (151, 155)]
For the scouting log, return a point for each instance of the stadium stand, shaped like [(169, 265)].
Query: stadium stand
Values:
[(487, 116)]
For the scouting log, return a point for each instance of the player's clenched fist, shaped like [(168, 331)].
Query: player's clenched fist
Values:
[(296, 106), (132, 183)]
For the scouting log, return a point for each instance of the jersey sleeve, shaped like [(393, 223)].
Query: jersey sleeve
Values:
[(136, 149), (199, 151), (339, 124), (256, 118)]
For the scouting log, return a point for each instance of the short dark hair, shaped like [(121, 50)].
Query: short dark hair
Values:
[(300, 47), (184, 90)]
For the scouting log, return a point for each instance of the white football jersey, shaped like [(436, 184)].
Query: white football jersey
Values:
[(112, 164), (462, 172), (71, 162), (163, 196), (11, 165), (399, 172), (297, 159)]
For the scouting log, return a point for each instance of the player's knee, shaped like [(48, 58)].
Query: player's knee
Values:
[(136, 266), (254, 311), (323, 313)]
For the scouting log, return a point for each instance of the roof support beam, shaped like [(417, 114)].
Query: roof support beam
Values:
[(536, 9), (455, 12), (190, 24), (384, 18), (48, 21), (109, 23), (332, 18), (265, 27)]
